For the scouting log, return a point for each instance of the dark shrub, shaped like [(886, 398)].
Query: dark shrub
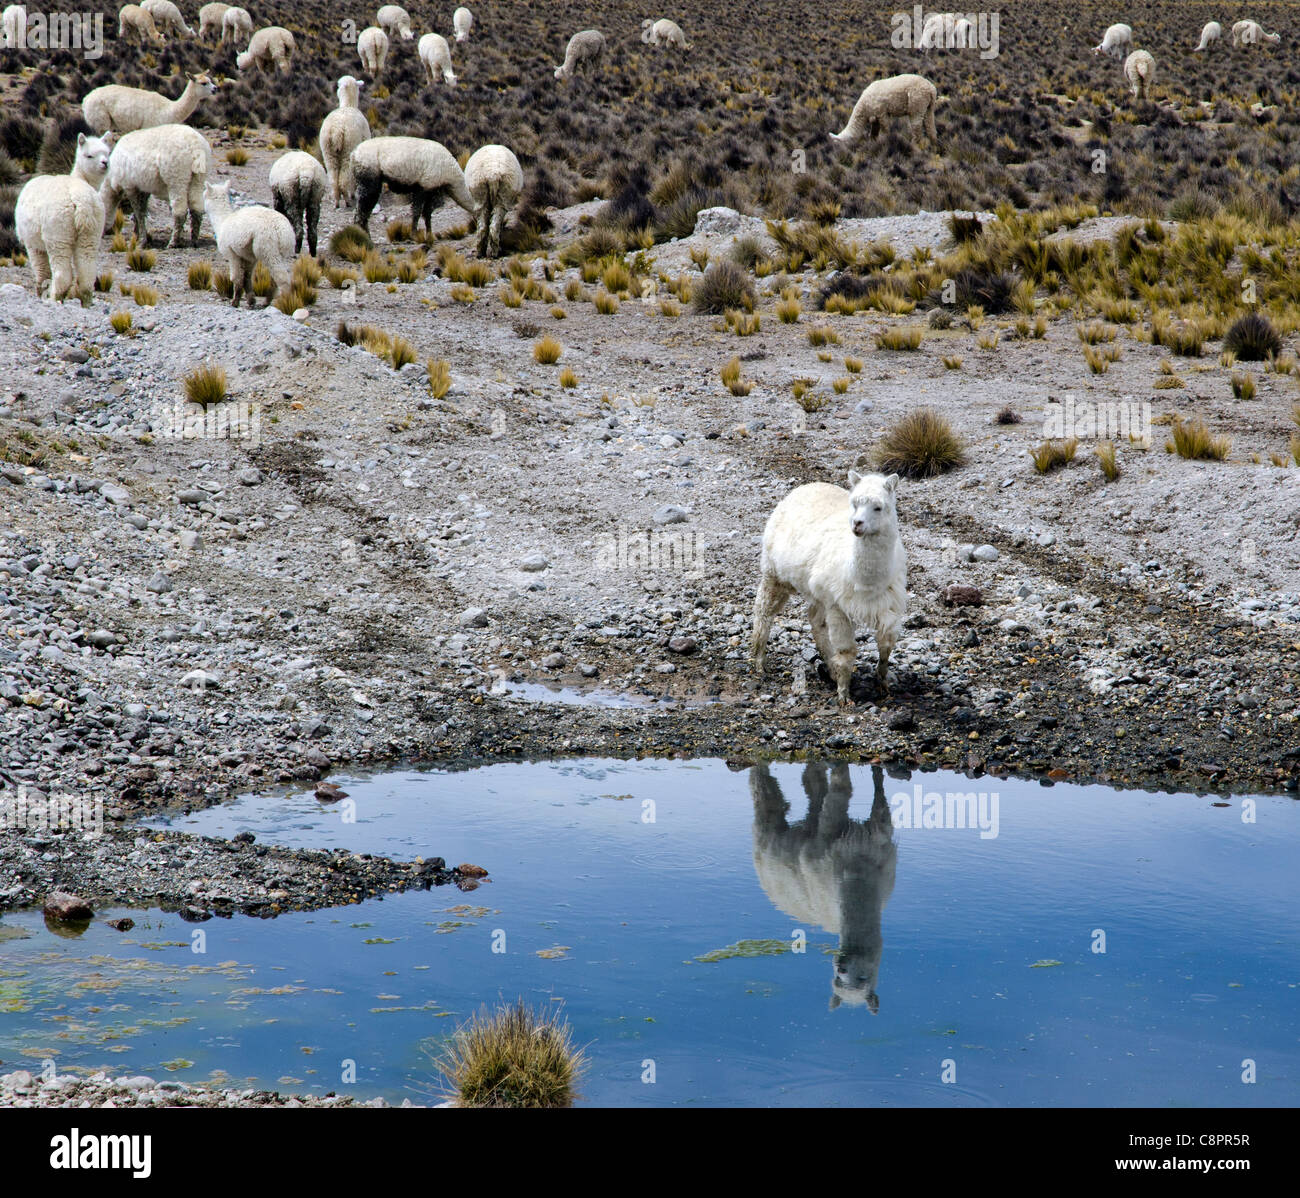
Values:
[(1252, 338)]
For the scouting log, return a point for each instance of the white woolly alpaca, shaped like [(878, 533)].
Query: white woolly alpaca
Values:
[(236, 25), (372, 46), (167, 16), (1251, 33), (170, 161), (134, 21), (13, 23), (267, 47), (962, 36), (60, 218), (395, 21), (247, 236), (210, 18), (462, 21), (494, 179), (1210, 35), (841, 551), (340, 133), (415, 166), (912, 96), (664, 33), (829, 869), (125, 109), (585, 47), (1115, 41), (937, 31), (1140, 71), (435, 53), (298, 185)]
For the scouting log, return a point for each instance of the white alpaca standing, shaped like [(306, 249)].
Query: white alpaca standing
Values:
[(167, 16), (272, 46), (1117, 39), (585, 47), (125, 109), (462, 21), (170, 161), (372, 48), (1140, 71), (210, 19), (1251, 33), (236, 25), (494, 179), (840, 550), (395, 21), (1210, 35), (435, 53), (60, 219), (340, 133), (830, 870), (247, 236), (136, 21)]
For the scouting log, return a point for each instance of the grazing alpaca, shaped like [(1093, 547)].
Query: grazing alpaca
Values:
[(830, 870)]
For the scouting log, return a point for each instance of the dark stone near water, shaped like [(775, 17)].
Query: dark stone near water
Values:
[(958, 594), (120, 925), (72, 908)]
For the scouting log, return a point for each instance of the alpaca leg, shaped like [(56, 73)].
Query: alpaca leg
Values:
[(929, 126), (843, 652), (40, 261), (313, 225), (494, 234), (196, 219), (770, 806), (140, 217), (63, 278), (771, 598), (817, 618), (886, 638), (237, 280), (85, 259), (814, 786)]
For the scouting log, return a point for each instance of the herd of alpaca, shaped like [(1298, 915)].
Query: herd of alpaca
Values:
[(840, 550)]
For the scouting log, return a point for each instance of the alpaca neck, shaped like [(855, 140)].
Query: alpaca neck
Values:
[(873, 557), (185, 103), (218, 210)]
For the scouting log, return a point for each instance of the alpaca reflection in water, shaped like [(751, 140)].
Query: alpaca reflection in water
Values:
[(829, 870)]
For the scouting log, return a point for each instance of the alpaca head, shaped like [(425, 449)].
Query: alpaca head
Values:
[(854, 980), (92, 158), (216, 197), (243, 60), (646, 26), (349, 88), (204, 84), (872, 508)]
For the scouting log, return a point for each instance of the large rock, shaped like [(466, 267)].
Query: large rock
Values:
[(61, 905)]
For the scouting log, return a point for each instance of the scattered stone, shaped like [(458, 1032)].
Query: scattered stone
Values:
[(957, 594), (67, 908)]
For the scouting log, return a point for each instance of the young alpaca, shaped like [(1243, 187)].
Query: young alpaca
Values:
[(841, 551), (247, 236), (59, 219)]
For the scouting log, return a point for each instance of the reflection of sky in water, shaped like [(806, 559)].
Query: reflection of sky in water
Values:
[(1200, 971)]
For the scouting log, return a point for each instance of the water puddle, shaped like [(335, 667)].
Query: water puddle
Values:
[(785, 936)]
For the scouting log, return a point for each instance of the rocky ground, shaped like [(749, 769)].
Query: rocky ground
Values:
[(366, 576), (21, 1089)]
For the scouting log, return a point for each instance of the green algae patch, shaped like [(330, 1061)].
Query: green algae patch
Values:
[(746, 948), (1045, 964)]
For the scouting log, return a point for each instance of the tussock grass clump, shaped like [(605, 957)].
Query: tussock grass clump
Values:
[(841, 385), (823, 334), (1184, 337), (987, 340), (119, 243), (1252, 338), (731, 378), (146, 297), (724, 285), (104, 282), (376, 268), (338, 275), (401, 353), (1194, 440), (237, 156), (515, 1058), (123, 324), (206, 385), (351, 243), (1243, 385), (262, 282), (558, 313), (1106, 460), (439, 376), (547, 351), (669, 307), (788, 310), (297, 295), (743, 324), (1099, 360), (398, 230), (951, 362), (853, 365), (463, 294), (199, 276), (905, 339), (1052, 455), (307, 272), (1095, 332), (568, 378), (920, 445), (605, 303), (806, 395), (140, 259), (1007, 415), (222, 285)]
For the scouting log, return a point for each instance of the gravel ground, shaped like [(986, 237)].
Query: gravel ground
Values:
[(185, 620)]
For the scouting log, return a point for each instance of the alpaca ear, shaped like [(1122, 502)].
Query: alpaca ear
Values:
[(891, 482), (81, 140), (854, 479), (873, 1003), (835, 1002)]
